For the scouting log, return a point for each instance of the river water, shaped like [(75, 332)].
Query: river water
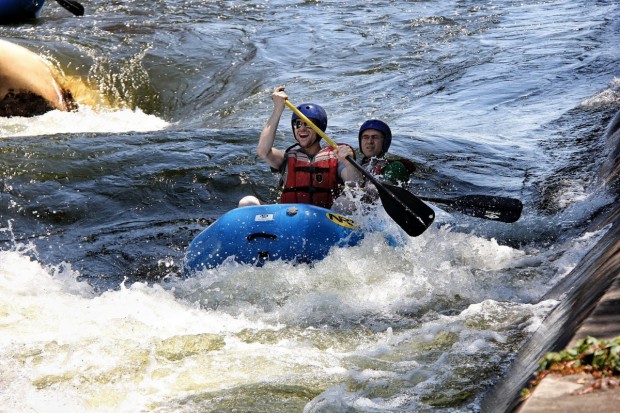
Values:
[(97, 207)]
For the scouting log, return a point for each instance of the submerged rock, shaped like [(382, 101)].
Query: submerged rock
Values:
[(29, 85)]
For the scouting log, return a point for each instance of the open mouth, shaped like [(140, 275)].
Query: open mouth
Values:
[(303, 135)]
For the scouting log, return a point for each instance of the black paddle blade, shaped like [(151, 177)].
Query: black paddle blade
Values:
[(495, 208), (407, 210), (73, 6)]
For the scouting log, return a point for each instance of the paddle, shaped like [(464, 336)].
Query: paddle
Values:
[(409, 212), (73, 6), (495, 208)]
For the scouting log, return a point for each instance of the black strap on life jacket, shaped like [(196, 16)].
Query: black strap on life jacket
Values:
[(311, 169), (306, 189)]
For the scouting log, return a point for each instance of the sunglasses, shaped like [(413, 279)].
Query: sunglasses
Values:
[(298, 124)]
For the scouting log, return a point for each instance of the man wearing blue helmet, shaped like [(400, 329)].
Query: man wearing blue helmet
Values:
[(310, 173), (375, 138)]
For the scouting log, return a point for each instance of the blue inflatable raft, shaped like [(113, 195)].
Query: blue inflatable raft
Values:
[(17, 10), (297, 233)]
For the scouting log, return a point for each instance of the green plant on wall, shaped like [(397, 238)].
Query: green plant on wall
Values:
[(600, 358)]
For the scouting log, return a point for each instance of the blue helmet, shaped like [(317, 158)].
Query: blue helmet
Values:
[(381, 127), (314, 112)]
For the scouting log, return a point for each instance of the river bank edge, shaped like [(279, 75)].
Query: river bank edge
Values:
[(579, 392)]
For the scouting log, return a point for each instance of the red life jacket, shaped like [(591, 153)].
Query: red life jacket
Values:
[(310, 180)]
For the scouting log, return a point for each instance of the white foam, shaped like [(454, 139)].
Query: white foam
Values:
[(606, 97), (142, 346), (86, 119)]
